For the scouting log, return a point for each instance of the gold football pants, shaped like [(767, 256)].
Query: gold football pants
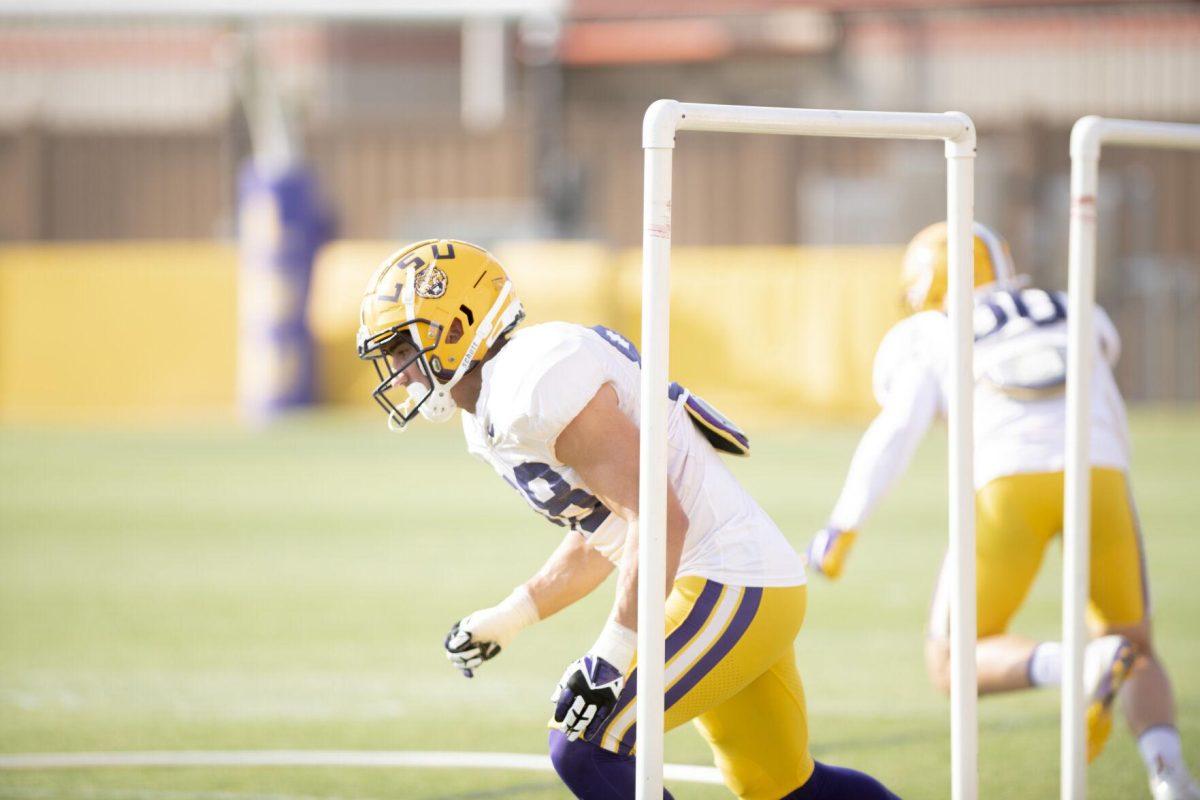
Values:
[(1016, 517), (731, 670)]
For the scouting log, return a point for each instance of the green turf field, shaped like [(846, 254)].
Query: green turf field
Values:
[(214, 588)]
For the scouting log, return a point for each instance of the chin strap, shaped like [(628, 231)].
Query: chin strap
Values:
[(440, 406), (416, 392)]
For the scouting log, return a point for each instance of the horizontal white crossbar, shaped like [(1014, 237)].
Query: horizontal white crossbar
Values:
[(665, 117), (432, 759), (1090, 133)]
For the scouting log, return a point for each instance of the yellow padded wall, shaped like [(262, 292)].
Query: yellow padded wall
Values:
[(786, 329), (563, 280), (116, 330), (105, 330), (340, 276)]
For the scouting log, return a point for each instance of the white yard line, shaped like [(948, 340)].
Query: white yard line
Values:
[(37, 793), (412, 759)]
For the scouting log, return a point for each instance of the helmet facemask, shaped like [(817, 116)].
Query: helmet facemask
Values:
[(393, 353)]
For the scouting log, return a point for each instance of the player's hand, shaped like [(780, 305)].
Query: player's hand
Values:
[(828, 551), (465, 651), (586, 694), (481, 635)]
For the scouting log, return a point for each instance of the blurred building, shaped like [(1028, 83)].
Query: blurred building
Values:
[(533, 129)]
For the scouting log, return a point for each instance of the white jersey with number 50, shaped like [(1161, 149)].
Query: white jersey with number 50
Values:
[(534, 387), (1020, 374)]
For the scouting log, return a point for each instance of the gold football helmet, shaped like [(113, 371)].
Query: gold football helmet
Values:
[(440, 304), (925, 274)]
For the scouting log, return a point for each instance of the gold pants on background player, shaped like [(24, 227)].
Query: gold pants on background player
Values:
[(1016, 517)]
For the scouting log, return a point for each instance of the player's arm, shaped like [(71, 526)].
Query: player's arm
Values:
[(602, 445), (571, 573), (573, 570), (880, 459)]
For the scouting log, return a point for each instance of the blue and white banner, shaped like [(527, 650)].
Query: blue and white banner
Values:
[(281, 225)]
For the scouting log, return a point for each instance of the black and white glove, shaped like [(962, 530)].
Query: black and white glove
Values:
[(466, 652), (586, 695), (480, 636), (587, 692)]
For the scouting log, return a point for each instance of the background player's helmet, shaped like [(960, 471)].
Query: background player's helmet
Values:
[(449, 301), (925, 273)]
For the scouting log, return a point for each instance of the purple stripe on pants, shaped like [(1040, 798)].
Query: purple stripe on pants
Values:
[(747, 608), (701, 611)]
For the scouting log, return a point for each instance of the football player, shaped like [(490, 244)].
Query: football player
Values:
[(1020, 419), (553, 409)]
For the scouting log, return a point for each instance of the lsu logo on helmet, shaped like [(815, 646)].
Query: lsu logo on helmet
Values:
[(431, 282), (441, 305)]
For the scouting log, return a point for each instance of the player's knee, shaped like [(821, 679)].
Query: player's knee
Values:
[(570, 759), (1138, 634), (937, 664), (592, 773)]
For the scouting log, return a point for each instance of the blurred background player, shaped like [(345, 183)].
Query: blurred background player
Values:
[(553, 408), (1020, 419)]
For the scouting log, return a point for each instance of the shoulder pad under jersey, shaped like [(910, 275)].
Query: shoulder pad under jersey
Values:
[(720, 431), (541, 380)]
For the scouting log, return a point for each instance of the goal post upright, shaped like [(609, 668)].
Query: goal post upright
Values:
[(662, 121), (1088, 136)]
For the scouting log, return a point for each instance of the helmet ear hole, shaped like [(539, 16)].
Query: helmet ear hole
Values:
[(455, 332)]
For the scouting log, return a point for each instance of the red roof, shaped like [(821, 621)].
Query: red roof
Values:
[(610, 9)]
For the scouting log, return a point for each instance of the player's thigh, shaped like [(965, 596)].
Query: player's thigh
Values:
[(1119, 589), (728, 639), (750, 644), (1015, 518), (759, 737)]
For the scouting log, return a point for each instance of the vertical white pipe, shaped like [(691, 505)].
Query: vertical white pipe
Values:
[(1087, 136), (964, 749), (652, 498), (1081, 283)]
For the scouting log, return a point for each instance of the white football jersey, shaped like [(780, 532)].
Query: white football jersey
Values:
[(541, 380), (1020, 370)]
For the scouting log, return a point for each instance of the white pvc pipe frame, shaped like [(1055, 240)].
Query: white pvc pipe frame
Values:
[(1087, 137), (663, 119)]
